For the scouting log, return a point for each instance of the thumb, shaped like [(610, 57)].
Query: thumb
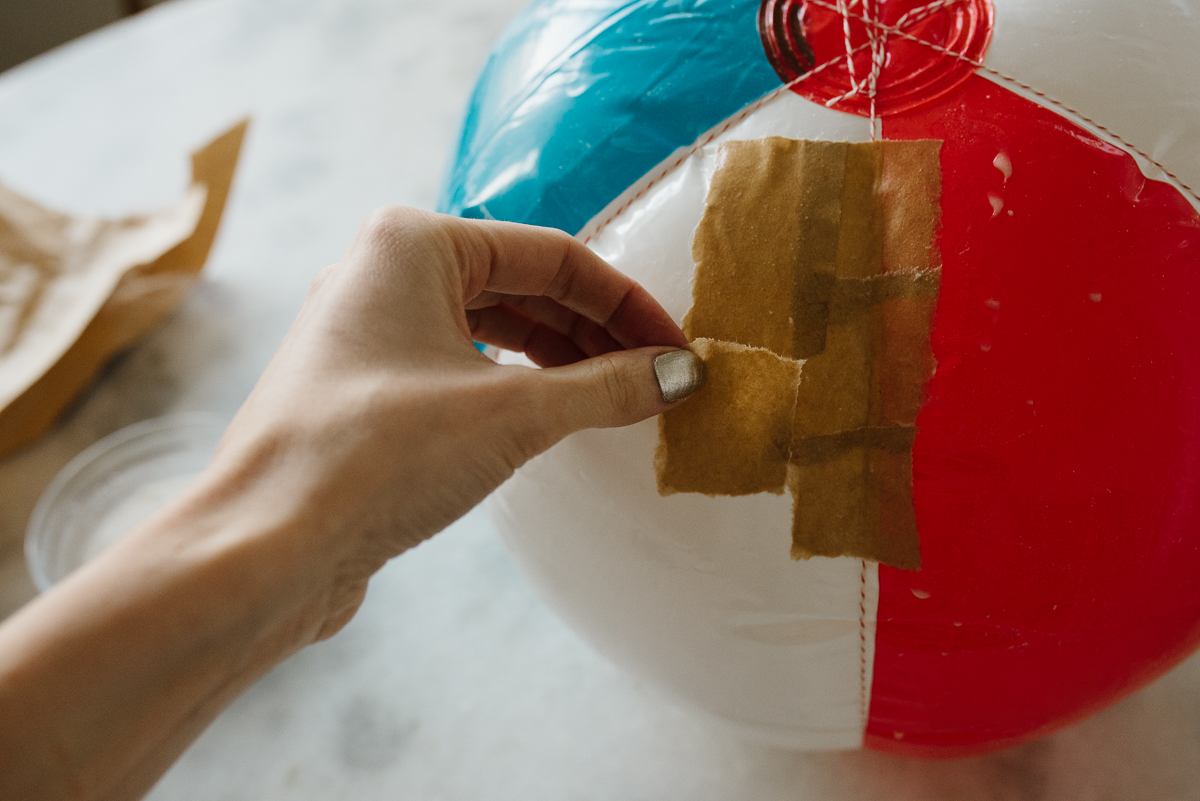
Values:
[(619, 388)]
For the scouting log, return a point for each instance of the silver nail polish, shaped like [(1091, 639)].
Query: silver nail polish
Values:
[(679, 373)]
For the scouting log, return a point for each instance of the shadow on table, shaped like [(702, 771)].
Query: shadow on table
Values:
[(1146, 747)]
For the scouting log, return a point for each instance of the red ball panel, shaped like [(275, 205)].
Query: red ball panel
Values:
[(1057, 465), (875, 58)]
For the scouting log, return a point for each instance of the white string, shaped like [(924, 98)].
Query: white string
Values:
[(878, 53), (919, 13), (926, 10), (843, 7), (635, 192), (877, 42), (909, 18)]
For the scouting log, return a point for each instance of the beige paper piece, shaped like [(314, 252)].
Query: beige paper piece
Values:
[(75, 291), (771, 215), (853, 497), (733, 435), (824, 252), (851, 456)]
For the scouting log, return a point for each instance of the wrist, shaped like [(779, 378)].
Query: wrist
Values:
[(100, 670), (268, 539), (247, 563), (128, 657)]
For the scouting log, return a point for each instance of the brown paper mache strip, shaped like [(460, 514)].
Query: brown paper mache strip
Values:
[(824, 254), (733, 436)]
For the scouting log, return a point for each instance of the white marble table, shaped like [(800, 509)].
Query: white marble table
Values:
[(453, 682)]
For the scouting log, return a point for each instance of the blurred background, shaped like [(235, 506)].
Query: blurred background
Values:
[(454, 682), (31, 27)]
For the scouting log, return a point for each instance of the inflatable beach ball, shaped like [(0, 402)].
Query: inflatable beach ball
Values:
[(943, 260)]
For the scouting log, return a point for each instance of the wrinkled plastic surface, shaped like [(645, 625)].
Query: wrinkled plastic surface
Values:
[(1057, 465), (580, 98), (913, 75), (1055, 474)]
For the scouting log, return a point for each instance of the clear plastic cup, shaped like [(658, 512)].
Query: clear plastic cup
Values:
[(112, 486)]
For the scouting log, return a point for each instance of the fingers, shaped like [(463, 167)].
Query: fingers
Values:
[(504, 327), (640, 314), (587, 336), (511, 259), (616, 389)]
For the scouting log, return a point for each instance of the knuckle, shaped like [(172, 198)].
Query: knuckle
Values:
[(386, 219), (618, 391), (387, 227), (570, 245), (570, 260), (401, 234), (319, 280), (534, 421)]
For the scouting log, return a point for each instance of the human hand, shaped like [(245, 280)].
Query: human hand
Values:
[(376, 425)]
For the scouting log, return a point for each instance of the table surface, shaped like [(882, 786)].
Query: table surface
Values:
[(454, 681)]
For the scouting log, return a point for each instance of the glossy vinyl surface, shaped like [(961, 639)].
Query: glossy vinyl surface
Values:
[(800, 36), (1056, 464), (1056, 477), (581, 97)]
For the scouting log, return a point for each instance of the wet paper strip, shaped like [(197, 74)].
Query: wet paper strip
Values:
[(733, 435), (851, 455), (825, 253), (770, 223), (852, 496)]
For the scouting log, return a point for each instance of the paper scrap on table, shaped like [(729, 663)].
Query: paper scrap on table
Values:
[(74, 291), (824, 254)]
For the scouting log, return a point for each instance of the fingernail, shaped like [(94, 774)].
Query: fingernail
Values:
[(679, 373)]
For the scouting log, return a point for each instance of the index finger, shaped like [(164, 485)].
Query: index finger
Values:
[(512, 259)]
